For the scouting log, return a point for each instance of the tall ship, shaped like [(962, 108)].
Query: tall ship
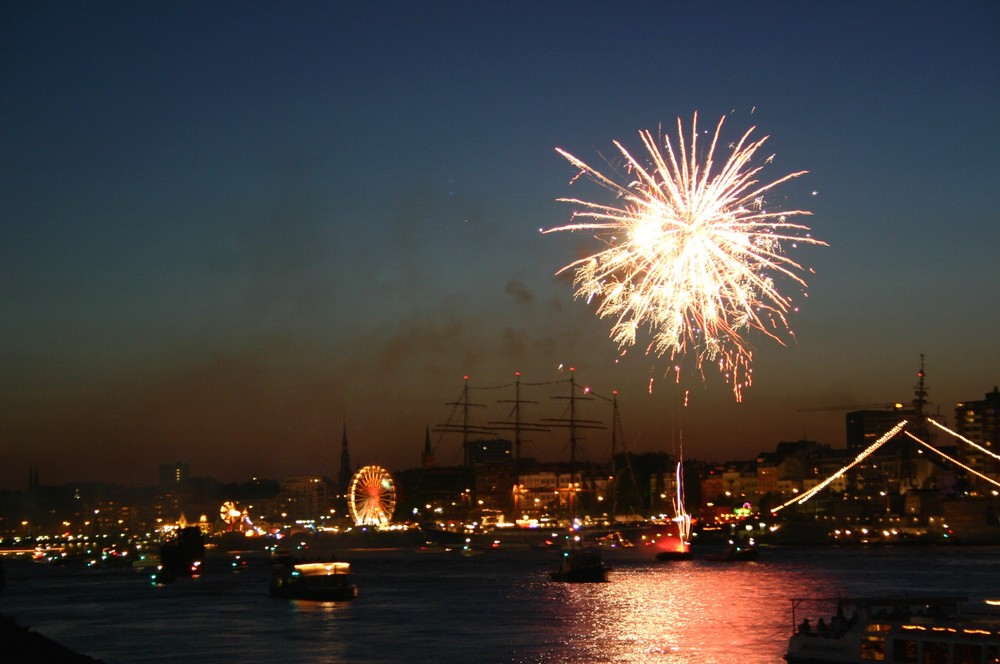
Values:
[(509, 501)]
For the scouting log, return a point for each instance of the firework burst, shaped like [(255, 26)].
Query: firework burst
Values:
[(690, 253)]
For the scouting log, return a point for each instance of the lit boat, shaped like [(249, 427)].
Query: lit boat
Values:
[(737, 551), (646, 542), (181, 554), (929, 630), (580, 566), (323, 582)]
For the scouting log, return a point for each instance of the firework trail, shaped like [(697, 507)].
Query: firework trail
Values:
[(690, 253)]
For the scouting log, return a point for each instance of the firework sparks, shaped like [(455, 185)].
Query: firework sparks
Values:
[(690, 252)]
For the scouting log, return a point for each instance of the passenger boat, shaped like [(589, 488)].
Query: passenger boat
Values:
[(323, 582), (925, 630), (580, 566)]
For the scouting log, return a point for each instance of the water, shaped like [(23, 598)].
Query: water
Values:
[(495, 607)]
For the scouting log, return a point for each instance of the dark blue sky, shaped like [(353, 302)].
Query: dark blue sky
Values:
[(229, 228)]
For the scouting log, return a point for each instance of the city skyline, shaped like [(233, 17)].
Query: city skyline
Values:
[(230, 232)]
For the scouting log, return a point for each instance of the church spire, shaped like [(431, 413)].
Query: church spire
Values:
[(345, 461), (427, 457)]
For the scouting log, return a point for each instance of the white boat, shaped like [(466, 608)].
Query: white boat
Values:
[(924, 630), (324, 581)]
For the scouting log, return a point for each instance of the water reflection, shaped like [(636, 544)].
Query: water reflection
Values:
[(685, 611), (491, 608), (324, 610)]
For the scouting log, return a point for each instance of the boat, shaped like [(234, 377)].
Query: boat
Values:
[(659, 541), (741, 552), (926, 629), (580, 565), (181, 554), (239, 564), (667, 556), (736, 551), (323, 581), (506, 538)]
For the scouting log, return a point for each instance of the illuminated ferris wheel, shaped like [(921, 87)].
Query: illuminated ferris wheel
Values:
[(230, 514), (371, 497)]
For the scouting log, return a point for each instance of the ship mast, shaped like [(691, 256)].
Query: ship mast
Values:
[(465, 429), (920, 401), (573, 423), (518, 426), (615, 425), (921, 431)]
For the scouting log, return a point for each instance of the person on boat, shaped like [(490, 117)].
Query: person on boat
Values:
[(838, 625), (821, 626), (805, 627)]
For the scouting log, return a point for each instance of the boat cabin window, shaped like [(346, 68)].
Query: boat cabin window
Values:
[(935, 652), (872, 648), (968, 653), (904, 650), (878, 627)]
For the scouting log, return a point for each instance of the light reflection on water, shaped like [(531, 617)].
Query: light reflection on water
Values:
[(681, 612), (498, 607)]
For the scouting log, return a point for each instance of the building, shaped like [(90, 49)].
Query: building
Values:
[(978, 422), (865, 427), (303, 498), (173, 473), (427, 456)]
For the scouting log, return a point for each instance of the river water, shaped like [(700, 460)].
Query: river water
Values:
[(495, 607)]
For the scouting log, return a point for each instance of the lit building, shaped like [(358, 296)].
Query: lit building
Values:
[(864, 427), (303, 498), (173, 473), (978, 421)]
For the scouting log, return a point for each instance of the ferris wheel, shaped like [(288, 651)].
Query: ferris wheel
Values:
[(229, 513), (371, 497)]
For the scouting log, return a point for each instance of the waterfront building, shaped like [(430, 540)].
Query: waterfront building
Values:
[(663, 490), (979, 422), (864, 427), (303, 498), (559, 490)]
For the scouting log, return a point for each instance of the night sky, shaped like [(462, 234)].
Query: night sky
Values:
[(230, 228)]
